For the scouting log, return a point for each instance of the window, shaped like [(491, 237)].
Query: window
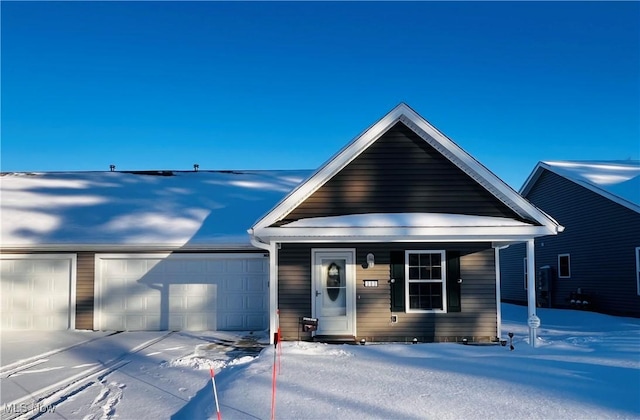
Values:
[(526, 272), (564, 266), (426, 285), (638, 268)]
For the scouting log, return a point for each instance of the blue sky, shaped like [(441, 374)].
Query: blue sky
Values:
[(238, 85)]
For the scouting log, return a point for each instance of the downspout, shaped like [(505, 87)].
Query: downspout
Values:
[(270, 247), (533, 321)]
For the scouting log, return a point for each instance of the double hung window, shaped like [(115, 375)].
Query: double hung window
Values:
[(426, 281)]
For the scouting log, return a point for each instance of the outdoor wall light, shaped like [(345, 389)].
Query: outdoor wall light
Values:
[(371, 260)]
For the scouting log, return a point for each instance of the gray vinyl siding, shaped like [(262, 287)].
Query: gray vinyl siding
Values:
[(477, 321), (400, 173), (600, 236)]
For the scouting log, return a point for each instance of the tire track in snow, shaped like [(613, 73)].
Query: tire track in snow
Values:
[(57, 393)]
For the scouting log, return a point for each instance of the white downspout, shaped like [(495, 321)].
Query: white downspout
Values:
[(533, 321), (272, 248)]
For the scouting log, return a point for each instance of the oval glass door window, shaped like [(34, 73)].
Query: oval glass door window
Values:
[(333, 281), (334, 296)]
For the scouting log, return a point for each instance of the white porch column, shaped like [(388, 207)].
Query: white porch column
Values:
[(533, 320), (274, 315)]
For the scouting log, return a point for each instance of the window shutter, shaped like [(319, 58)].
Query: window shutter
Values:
[(453, 287), (397, 286)]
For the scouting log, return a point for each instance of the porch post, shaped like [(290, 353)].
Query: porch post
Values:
[(273, 291), (533, 321)]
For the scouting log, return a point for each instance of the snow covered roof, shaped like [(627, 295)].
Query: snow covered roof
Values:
[(617, 180), (151, 209)]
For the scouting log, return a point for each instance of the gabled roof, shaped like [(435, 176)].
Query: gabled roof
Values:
[(403, 113), (137, 210), (616, 180)]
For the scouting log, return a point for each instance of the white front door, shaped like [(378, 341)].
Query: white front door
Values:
[(334, 291)]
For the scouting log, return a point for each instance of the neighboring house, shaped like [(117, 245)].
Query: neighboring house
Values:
[(597, 258), (393, 238)]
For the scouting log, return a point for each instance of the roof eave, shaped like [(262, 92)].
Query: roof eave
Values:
[(402, 234)]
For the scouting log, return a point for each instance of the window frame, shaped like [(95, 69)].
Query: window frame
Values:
[(568, 276), (442, 280)]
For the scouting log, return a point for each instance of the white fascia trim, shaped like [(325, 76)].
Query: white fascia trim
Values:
[(408, 233)]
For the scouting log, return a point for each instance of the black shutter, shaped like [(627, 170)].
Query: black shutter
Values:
[(453, 286), (397, 281)]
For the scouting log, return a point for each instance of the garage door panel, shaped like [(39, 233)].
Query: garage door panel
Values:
[(37, 291), (255, 321), (257, 266), (256, 284), (255, 303), (234, 285)]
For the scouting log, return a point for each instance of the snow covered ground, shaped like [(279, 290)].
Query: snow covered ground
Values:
[(586, 365)]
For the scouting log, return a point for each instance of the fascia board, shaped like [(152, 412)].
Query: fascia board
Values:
[(532, 178), (331, 167), (420, 234)]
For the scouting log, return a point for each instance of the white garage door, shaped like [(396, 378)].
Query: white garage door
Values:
[(194, 292), (38, 291)]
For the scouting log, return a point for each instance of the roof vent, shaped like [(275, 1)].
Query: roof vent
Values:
[(112, 168), (196, 167)]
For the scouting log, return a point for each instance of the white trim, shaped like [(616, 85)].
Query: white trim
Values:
[(274, 305), (496, 253), (351, 267), (73, 267), (525, 273), (404, 234), (638, 268), (431, 135), (442, 280), (560, 276), (531, 292)]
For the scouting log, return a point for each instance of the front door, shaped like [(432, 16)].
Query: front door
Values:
[(333, 292)]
